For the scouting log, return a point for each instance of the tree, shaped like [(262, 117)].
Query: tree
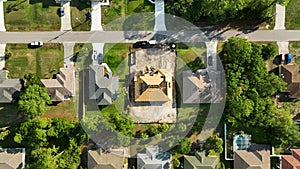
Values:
[(185, 146), (3, 133), (32, 79), (176, 162), (269, 51), (33, 102), (214, 143), (43, 158)]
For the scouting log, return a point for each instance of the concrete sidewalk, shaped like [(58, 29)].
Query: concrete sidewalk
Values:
[(2, 24), (96, 17), (280, 17), (66, 19), (2, 56)]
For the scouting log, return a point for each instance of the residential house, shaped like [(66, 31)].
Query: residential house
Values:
[(196, 87), (291, 76), (103, 86), (154, 159), (255, 157), (63, 87), (291, 161), (9, 88), (12, 158), (153, 85), (200, 161), (100, 159)]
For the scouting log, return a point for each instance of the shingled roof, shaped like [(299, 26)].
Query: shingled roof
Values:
[(196, 88), (12, 158), (103, 86), (153, 159), (98, 159), (9, 88), (291, 161), (257, 156), (200, 160), (62, 87), (292, 78)]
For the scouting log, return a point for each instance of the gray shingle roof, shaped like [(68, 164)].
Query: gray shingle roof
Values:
[(200, 160), (98, 159), (153, 159), (9, 88), (103, 86), (12, 158)]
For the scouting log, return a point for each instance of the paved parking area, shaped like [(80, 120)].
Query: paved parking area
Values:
[(2, 56), (2, 25), (66, 19), (96, 17)]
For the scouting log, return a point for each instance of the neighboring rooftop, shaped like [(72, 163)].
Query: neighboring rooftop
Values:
[(12, 158), (153, 159), (196, 86), (98, 159), (292, 77), (63, 87), (200, 160), (103, 86), (9, 88), (256, 157), (291, 161)]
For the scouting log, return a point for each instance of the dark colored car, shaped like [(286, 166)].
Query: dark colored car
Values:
[(61, 11), (210, 60), (141, 44)]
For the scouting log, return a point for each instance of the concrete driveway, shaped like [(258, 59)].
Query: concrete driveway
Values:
[(283, 47), (160, 16), (211, 57), (2, 25), (97, 49), (68, 54), (280, 17), (2, 56), (96, 17), (66, 19)]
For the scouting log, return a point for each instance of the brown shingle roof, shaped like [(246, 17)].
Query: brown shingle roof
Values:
[(292, 78), (98, 159), (12, 158)]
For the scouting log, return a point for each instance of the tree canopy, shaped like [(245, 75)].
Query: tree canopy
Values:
[(51, 142), (214, 143), (249, 91), (223, 10)]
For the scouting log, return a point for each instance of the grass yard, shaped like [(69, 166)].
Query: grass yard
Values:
[(44, 61), (79, 9), (82, 52), (292, 18), (31, 15), (64, 109), (122, 8), (115, 55)]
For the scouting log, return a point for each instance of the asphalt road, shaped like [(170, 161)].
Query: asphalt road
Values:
[(118, 36)]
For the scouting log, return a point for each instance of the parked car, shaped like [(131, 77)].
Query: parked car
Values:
[(282, 58), (141, 44), (36, 44), (289, 58), (61, 11)]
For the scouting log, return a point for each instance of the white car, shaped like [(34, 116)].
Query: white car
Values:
[(36, 44)]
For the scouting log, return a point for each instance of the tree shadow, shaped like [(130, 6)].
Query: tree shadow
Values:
[(12, 7), (45, 3), (80, 4)]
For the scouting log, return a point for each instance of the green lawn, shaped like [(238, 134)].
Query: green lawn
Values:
[(294, 49), (79, 9), (292, 18), (122, 8), (44, 61), (31, 15), (64, 109)]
